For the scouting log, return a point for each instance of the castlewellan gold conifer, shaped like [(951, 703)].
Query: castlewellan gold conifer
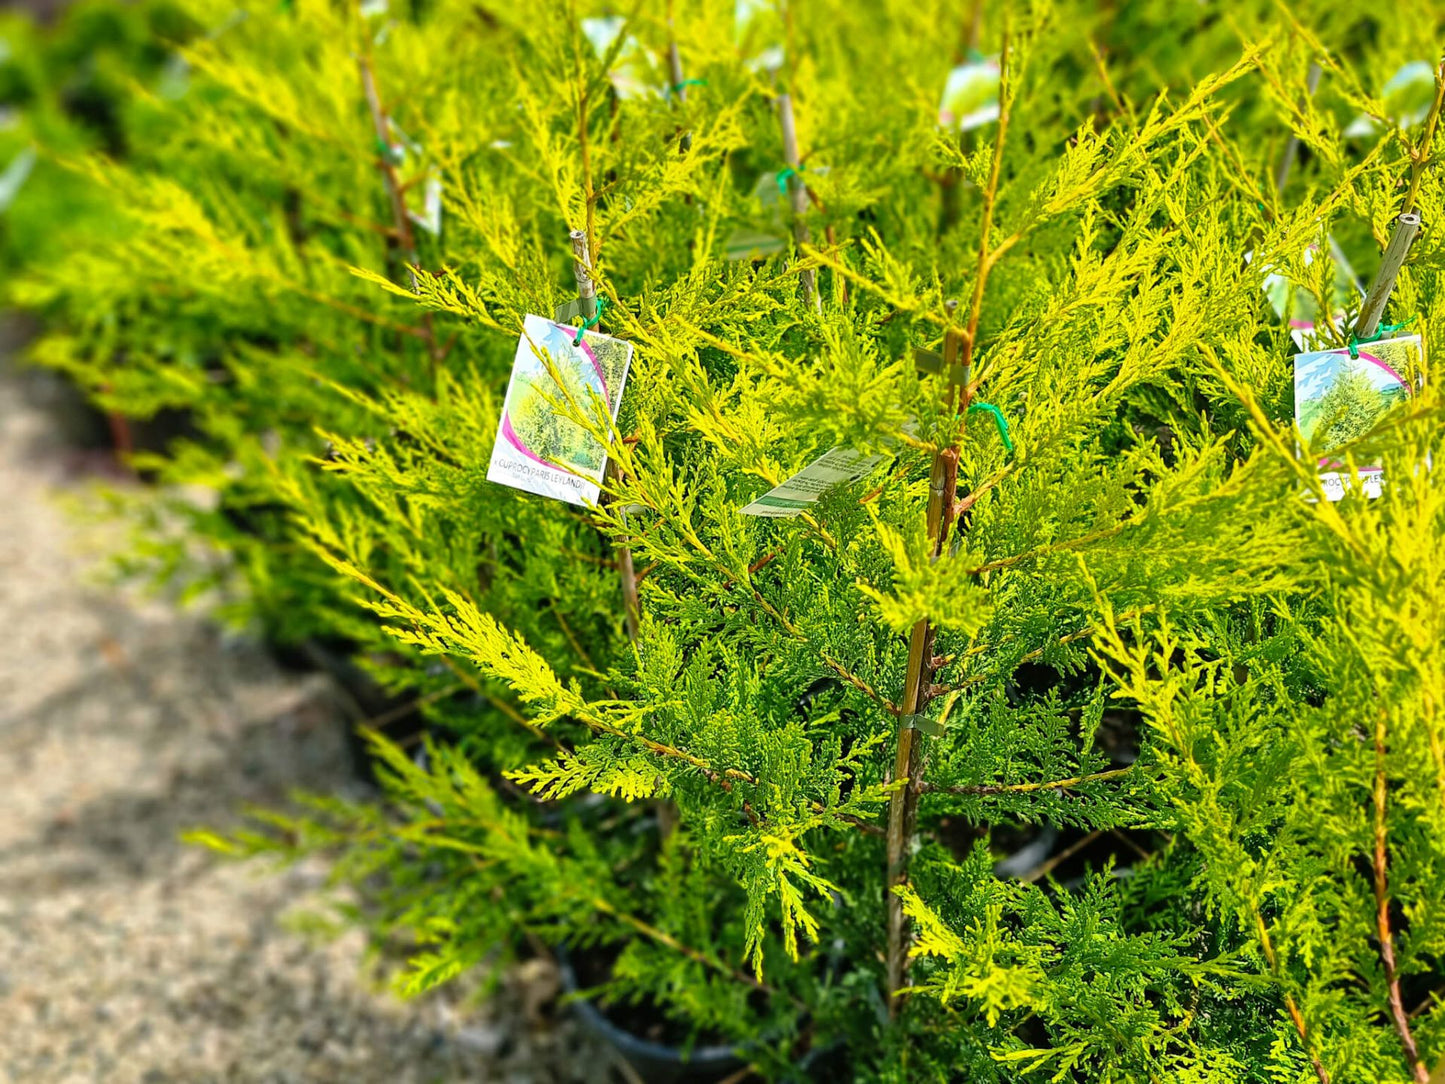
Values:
[(1079, 739)]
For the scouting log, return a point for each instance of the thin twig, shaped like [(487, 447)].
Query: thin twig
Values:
[(989, 789), (401, 221), (1382, 911), (1266, 943), (943, 488), (1420, 153), (1043, 869)]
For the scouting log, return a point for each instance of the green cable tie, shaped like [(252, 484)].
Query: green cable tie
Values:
[(998, 420), (387, 150), (783, 179), (590, 322), (1380, 333), (687, 83)]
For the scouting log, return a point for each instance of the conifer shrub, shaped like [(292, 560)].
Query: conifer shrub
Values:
[(1077, 738)]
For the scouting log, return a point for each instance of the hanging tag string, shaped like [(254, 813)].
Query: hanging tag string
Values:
[(590, 323), (998, 419), (1380, 333)]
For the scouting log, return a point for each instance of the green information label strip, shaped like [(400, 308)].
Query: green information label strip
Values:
[(782, 502)]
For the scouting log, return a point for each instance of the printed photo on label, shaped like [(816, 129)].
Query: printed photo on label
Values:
[(1339, 399), (538, 448)]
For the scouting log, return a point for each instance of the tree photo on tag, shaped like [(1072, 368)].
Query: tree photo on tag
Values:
[(1340, 398), (539, 448)]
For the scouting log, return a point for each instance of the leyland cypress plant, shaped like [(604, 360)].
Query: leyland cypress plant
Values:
[(1088, 591)]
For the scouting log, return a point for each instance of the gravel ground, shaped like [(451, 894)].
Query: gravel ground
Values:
[(127, 956)]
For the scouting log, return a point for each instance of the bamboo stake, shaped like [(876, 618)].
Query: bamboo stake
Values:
[(1407, 228), (582, 272), (798, 196)]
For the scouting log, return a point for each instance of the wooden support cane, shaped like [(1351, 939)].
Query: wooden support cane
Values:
[(798, 197), (1407, 228)]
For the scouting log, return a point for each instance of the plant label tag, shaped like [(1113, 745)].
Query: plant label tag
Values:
[(1338, 399), (542, 445), (630, 62), (970, 97), (800, 492)]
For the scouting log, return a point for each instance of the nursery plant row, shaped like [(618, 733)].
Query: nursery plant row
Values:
[(898, 541)]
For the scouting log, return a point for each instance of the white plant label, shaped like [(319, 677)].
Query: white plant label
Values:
[(541, 447), (799, 493)]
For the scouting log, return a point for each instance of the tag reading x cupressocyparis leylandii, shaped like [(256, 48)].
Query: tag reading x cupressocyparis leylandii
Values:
[(539, 448), (1338, 399)]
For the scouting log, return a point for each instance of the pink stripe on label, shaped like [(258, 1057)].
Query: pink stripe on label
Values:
[(1382, 365)]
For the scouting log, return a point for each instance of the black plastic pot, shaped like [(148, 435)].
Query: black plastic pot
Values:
[(363, 698), (656, 1063), (660, 1063)]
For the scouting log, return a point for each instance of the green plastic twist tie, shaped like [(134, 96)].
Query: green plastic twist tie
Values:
[(998, 420), (687, 83), (783, 179), (1380, 333), (591, 322), (387, 151)]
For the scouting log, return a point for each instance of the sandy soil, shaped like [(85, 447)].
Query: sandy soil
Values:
[(128, 956)]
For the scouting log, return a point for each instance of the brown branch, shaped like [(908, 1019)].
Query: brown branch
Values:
[(380, 124), (756, 566), (1296, 1017), (1043, 869), (664, 938), (501, 705), (1382, 912), (989, 789), (908, 761), (1031, 656), (401, 221), (572, 638), (1420, 153)]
